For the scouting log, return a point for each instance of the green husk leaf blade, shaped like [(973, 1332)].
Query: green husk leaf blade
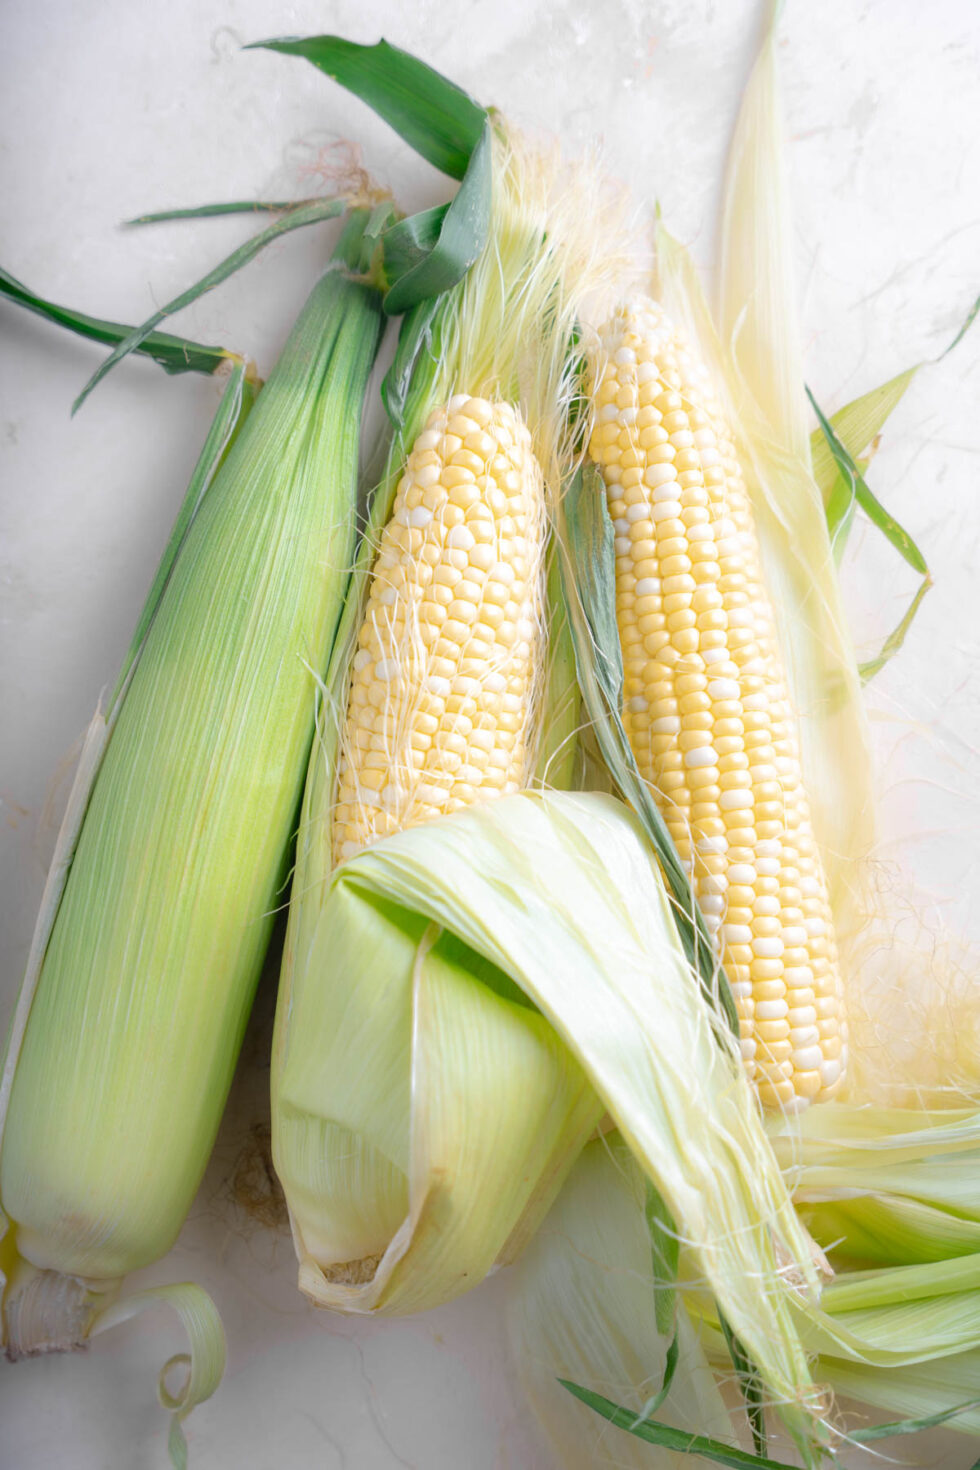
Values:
[(174, 354), (434, 116), (856, 425), (872, 507), (448, 254), (896, 637), (557, 753), (911, 1426), (971, 318), (414, 338), (665, 1253), (429, 252), (213, 211), (412, 240), (915, 1390), (669, 1438), (750, 1384), (310, 214), (670, 1368)]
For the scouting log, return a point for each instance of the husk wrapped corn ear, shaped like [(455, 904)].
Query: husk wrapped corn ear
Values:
[(117, 1084), (436, 703)]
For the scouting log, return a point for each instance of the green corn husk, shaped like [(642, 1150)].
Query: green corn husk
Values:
[(886, 1186), (473, 1015), (582, 1307), (116, 1079)]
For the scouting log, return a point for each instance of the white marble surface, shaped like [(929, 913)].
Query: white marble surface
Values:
[(116, 106)]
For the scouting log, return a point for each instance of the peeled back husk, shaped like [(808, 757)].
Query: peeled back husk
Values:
[(503, 1009)]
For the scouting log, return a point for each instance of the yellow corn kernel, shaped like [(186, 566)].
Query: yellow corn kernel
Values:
[(713, 768), (483, 595)]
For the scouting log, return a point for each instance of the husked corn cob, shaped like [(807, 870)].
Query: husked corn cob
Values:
[(444, 677), (707, 709)]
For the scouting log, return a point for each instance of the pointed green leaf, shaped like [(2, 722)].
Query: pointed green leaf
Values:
[(911, 1426), (856, 425), (434, 116), (408, 380), (896, 637), (174, 354), (462, 233), (859, 423), (671, 1360), (873, 509), (974, 309), (212, 211), (557, 754), (665, 1253), (309, 214), (411, 240), (750, 1384), (670, 1438)]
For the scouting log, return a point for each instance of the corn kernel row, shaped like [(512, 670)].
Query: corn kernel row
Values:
[(707, 709), (443, 679)]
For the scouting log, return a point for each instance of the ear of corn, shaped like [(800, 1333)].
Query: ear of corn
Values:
[(707, 710), (445, 678), (436, 703), (886, 1185), (424, 1112), (800, 575), (122, 1070)]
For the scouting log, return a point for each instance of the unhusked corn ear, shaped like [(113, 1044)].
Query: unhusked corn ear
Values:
[(159, 938), (707, 709), (449, 654)]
